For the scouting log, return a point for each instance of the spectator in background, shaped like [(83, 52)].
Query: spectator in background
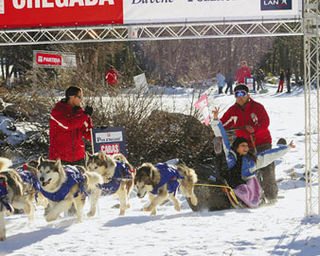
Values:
[(69, 125), (229, 81), (112, 77), (220, 81), (260, 79), (242, 73), (281, 81), (288, 82)]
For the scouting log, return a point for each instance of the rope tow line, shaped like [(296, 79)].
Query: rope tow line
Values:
[(231, 195)]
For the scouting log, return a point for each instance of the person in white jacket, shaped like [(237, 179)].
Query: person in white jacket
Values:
[(242, 164)]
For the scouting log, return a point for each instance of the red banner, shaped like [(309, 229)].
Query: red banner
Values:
[(48, 59), (49, 13)]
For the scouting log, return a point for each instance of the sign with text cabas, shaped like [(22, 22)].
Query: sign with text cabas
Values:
[(110, 140), (49, 59)]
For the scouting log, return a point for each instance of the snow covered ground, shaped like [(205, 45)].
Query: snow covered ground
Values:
[(279, 229)]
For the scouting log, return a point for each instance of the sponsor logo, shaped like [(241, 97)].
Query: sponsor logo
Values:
[(210, 0), (109, 137), (276, 5), (110, 149), (30, 4), (48, 59), (152, 1), (1, 6)]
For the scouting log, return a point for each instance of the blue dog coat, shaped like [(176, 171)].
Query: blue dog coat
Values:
[(169, 175), (74, 176), (122, 171)]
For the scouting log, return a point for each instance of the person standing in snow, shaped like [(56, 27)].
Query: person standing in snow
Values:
[(242, 73), (259, 74), (243, 164), (220, 81), (69, 125), (249, 119), (111, 77), (229, 81), (288, 82), (281, 81)]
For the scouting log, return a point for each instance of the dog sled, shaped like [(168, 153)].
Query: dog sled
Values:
[(212, 192)]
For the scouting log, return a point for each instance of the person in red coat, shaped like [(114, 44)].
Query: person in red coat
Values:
[(249, 119), (112, 77), (69, 125), (242, 73)]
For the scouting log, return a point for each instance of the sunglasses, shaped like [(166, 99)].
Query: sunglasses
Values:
[(240, 93)]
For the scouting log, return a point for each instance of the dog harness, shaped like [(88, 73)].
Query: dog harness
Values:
[(28, 177), (168, 175), (74, 176), (4, 200), (121, 172)]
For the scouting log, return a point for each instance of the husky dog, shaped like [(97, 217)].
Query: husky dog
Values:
[(67, 185), (13, 194), (161, 182), (31, 187), (117, 174)]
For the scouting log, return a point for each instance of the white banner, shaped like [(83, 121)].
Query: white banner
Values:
[(164, 11), (1, 6)]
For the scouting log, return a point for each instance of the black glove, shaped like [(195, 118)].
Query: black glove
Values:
[(88, 110)]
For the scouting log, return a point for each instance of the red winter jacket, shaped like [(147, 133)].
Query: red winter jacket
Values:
[(242, 74), (253, 114), (112, 77), (67, 130)]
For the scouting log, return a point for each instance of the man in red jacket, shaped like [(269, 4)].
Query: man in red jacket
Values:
[(250, 120), (242, 73), (112, 77), (69, 124)]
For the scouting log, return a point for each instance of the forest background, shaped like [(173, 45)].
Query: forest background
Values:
[(176, 62)]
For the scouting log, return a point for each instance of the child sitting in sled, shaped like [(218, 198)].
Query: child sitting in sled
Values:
[(242, 164)]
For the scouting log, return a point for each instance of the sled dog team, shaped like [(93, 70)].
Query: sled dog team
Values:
[(57, 187)]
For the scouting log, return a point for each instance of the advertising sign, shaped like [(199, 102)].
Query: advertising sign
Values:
[(164, 11), (109, 140), (1, 6), (49, 13), (48, 59), (62, 13)]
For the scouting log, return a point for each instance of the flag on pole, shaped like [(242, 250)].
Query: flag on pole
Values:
[(203, 106)]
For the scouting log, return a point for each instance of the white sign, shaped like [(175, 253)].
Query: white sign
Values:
[(108, 137), (1, 6), (69, 60), (140, 81), (164, 11)]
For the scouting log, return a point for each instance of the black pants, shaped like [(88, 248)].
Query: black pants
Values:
[(79, 162), (229, 87)]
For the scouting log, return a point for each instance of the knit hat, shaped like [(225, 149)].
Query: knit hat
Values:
[(237, 142), (241, 87)]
